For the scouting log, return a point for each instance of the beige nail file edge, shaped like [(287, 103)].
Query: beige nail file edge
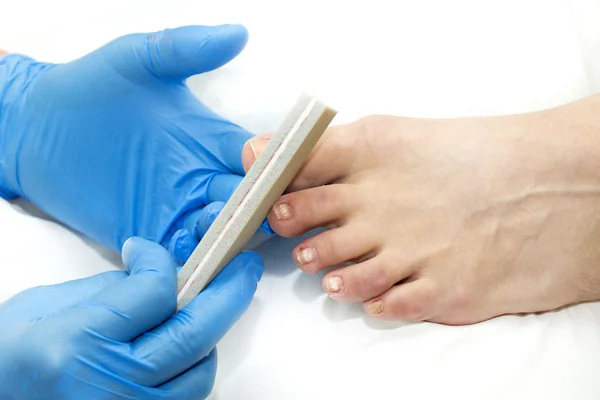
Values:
[(249, 205)]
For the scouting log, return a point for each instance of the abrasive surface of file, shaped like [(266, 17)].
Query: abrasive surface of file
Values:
[(249, 205)]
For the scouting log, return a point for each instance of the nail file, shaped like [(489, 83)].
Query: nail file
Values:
[(249, 205)]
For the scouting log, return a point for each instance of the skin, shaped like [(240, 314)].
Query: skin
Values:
[(454, 221), (2, 53)]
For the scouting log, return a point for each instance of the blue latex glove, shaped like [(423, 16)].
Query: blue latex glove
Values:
[(115, 145), (114, 335)]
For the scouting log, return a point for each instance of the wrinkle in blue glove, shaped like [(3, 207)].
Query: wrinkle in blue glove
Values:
[(114, 335), (115, 145)]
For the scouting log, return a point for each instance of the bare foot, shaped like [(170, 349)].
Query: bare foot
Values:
[(452, 221)]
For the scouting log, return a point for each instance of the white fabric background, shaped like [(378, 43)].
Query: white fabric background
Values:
[(415, 58)]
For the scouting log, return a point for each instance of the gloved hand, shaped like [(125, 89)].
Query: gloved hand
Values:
[(114, 335), (115, 145)]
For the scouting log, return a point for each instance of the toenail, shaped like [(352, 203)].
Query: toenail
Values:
[(283, 211), (335, 286), (376, 307), (257, 145), (307, 255)]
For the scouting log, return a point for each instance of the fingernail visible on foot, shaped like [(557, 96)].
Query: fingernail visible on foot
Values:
[(335, 286), (376, 307), (283, 211), (306, 255)]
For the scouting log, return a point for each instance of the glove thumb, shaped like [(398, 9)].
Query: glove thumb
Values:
[(183, 52)]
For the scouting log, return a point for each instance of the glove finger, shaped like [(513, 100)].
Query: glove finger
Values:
[(182, 244), (194, 226), (205, 219), (221, 141), (188, 336), (183, 52), (141, 301), (266, 228), (196, 383), (43, 301), (222, 186), (220, 189), (179, 241), (231, 145), (191, 227), (211, 212)]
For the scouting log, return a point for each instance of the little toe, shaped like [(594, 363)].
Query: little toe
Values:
[(297, 213), (332, 248), (412, 301), (365, 280)]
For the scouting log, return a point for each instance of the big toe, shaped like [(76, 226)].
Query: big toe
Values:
[(331, 160), (253, 148)]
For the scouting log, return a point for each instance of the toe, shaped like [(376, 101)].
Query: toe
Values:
[(413, 301), (331, 159), (253, 148), (297, 213), (332, 248), (365, 280)]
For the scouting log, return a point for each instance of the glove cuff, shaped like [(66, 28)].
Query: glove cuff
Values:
[(15, 74)]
